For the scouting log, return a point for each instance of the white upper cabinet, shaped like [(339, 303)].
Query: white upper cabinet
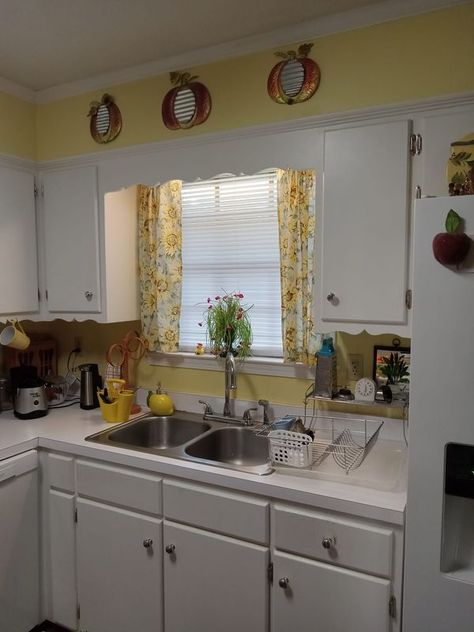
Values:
[(363, 229), (438, 131), (89, 248), (18, 254), (71, 240)]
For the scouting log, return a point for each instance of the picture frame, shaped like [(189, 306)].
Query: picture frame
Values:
[(381, 351)]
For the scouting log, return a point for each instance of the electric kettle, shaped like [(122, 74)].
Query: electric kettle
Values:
[(90, 382)]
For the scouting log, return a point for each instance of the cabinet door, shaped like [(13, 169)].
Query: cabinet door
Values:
[(318, 596), (18, 254), (214, 583), (364, 242), (62, 548), (119, 569), (71, 240), (19, 543)]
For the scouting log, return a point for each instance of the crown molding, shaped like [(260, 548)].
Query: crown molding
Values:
[(15, 90), (311, 29), (16, 162), (350, 117)]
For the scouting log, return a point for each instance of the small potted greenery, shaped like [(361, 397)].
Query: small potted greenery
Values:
[(396, 370), (228, 325)]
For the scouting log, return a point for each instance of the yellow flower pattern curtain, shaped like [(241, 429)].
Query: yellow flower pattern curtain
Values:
[(160, 264), (296, 221)]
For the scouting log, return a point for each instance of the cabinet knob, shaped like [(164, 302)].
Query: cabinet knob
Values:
[(332, 298), (170, 549), (327, 543), (88, 294), (283, 582), (148, 543)]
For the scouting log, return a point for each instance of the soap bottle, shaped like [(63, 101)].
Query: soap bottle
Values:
[(325, 383)]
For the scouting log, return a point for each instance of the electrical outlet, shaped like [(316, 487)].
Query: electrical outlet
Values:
[(356, 366)]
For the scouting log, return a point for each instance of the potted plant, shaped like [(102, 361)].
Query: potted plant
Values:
[(228, 325), (396, 370)]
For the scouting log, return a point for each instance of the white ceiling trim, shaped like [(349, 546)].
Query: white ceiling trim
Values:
[(373, 14)]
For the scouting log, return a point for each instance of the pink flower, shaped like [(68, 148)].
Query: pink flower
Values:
[(208, 300), (200, 324), (218, 298), (210, 307)]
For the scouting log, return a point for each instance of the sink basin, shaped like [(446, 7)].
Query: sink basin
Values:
[(188, 437), (238, 448), (156, 433)]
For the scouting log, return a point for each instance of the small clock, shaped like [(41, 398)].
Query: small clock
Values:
[(365, 390)]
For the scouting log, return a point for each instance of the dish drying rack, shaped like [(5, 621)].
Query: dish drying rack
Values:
[(347, 439)]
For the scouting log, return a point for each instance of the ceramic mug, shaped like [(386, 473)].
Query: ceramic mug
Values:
[(14, 336)]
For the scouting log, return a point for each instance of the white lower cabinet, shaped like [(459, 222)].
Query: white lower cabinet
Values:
[(309, 596), (119, 569), (19, 543), (175, 556), (213, 582)]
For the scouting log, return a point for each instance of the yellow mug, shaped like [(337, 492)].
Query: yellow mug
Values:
[(14, 336)]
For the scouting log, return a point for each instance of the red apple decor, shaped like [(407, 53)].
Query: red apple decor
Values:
[(106, 120), (451, 248), (187, 104), (294, 79)]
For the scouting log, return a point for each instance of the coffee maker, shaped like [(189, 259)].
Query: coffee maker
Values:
[(91, 381), (29, 394)]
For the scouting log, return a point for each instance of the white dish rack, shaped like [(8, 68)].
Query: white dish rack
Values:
[(347, 440)]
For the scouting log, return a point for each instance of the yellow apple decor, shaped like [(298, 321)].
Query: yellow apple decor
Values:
[(159, 403)]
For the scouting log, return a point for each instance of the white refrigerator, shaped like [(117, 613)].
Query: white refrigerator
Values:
[(439, 547)]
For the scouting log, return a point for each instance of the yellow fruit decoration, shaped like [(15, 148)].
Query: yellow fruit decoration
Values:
[(159, 403)]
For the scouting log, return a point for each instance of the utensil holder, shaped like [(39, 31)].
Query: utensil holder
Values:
[(117, 411)]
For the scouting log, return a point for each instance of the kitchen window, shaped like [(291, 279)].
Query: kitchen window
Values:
[(231, 244), (247, 234)]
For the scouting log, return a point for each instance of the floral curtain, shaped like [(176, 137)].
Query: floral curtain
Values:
[(296, 220), (160, 264)]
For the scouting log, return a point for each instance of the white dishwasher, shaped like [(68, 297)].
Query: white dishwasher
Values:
[(19, 543)]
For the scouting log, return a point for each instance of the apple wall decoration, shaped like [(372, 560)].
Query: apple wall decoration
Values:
[(106, 120), (187, 104), (294, 79), (451, 248)]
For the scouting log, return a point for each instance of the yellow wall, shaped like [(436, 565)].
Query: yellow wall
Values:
[(95, 339), (397, 61), (17, 127)]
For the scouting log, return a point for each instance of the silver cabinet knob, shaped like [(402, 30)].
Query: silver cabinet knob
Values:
[(170, 549), (148, 543), (283, 582), (88, 294), (327, 543)]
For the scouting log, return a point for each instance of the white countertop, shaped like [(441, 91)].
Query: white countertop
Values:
[(65, 430)]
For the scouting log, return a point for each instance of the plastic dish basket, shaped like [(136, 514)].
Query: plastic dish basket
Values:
[(290, 448)]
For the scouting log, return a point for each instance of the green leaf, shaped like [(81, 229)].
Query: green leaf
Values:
[(453, 221)]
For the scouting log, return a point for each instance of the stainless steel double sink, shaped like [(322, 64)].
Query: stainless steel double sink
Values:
[(188, 437)]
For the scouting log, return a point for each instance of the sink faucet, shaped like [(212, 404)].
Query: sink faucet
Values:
[(230, 383), (265, 403)]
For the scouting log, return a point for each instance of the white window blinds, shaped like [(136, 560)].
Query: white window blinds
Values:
[(230, 244)]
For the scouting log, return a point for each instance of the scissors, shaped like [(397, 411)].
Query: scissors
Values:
[(131, 347)]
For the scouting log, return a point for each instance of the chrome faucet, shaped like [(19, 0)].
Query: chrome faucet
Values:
[(230, 382), (266, 404)]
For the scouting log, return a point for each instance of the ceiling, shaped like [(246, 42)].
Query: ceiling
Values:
[(47, 43)]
